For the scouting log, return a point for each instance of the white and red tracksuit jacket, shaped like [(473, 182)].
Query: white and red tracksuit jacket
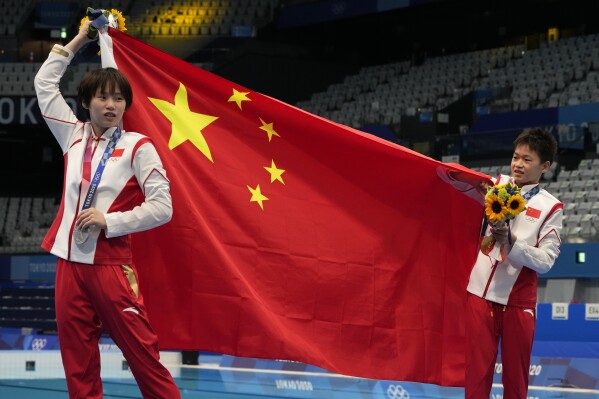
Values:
[(514, 281), (133, 194)]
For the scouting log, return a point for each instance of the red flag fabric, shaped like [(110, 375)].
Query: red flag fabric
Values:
[(294, 237)]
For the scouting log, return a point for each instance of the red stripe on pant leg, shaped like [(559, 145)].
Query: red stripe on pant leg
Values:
[(79, 330), (481, 348)]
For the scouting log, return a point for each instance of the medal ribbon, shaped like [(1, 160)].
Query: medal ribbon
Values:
[(535, 190), (91, 191)]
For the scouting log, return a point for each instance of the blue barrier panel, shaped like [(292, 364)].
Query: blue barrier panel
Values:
[(555, 372), (5, 268), (578, 349), (577, 114), (34, 267), (566, 265), (574, 328), (518, 120)]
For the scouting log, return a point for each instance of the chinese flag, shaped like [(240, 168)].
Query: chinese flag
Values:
[(532, 212), (294, 237)]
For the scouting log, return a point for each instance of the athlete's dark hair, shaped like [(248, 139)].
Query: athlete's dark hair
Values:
[(539, 141)]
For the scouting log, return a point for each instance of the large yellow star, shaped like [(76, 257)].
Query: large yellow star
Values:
[(238, 97), (186, 124), (257, 196), (269, 129), (275, 173)]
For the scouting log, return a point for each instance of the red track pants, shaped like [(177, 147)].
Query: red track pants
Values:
[(88, 297), (488, 323)]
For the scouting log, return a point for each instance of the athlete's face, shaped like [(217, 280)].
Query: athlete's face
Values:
[(527, 167), (106, 109)]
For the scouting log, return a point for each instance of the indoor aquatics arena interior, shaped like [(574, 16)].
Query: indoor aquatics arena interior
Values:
[(453, 80)]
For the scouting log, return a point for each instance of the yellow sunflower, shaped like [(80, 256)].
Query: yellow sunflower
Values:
[(495, 208), (516, 204), (119, 19), (83, 20)]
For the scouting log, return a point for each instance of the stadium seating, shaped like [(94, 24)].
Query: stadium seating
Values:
[(383, 93), (184, 18), (565, 72), (24, 221)]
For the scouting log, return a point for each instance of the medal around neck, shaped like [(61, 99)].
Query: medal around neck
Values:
[(80, 235)]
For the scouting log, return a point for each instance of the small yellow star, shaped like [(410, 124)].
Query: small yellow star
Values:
[(186, 124), (269, 129), (238, 97), (275, 173), (257, 196)]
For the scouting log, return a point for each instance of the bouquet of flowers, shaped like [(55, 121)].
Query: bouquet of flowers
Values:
[(101, 18), (502, 203)]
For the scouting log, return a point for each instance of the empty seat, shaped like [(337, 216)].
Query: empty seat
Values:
[(565, 186), (553, 187), (568, 196), (591, 184), (569, 208), (580, 196), (583, 208), (593, 196), (587, 174), (587, 225), (573, 232), (585, 164), (564, 175), (578, 185), (573, 220)]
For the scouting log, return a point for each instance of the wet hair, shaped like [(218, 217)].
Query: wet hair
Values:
[(103, 79), (539, 141)]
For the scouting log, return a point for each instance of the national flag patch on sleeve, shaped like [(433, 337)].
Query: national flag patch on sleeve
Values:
[(533, 213)]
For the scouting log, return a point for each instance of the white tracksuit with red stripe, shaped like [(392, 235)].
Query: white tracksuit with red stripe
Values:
[(503, 295), (93, 288), (134, 176)]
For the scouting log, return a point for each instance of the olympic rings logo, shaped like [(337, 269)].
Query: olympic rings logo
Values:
[(38, 344), (397, 392)]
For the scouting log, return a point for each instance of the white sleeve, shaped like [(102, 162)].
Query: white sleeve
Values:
[(542, 257), (157, 208), (58, 115)]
